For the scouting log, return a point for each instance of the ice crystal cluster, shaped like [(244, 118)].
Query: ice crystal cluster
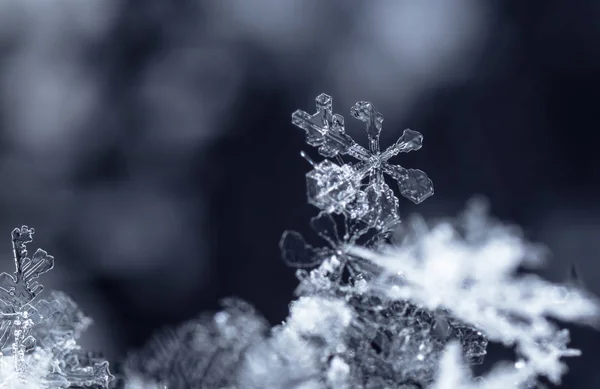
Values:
[(38, 348), (380, 304)]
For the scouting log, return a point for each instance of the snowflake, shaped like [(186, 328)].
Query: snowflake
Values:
[(338, 188), (40, 336)]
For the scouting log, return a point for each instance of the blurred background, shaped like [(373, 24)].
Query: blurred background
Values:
[(150, 144)]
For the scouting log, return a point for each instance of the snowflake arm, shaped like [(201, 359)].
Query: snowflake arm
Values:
[(326, 131), (20, 289)]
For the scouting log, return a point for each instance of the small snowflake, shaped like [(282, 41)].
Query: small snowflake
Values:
[(337, 188)]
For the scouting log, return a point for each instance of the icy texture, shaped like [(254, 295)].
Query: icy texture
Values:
[(370, 314), (327, 343), (204, 353), (388, 342), (338, 188), (38, 338), (468, 269)]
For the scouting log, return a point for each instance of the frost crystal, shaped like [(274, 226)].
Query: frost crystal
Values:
[(38, 338)]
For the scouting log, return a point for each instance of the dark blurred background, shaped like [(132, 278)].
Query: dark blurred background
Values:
[(150, 145)]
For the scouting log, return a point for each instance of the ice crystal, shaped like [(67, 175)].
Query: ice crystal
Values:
[(469, 269), (338, 188), (38, 337)]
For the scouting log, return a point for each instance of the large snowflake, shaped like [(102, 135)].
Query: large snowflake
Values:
[(472, 268)]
